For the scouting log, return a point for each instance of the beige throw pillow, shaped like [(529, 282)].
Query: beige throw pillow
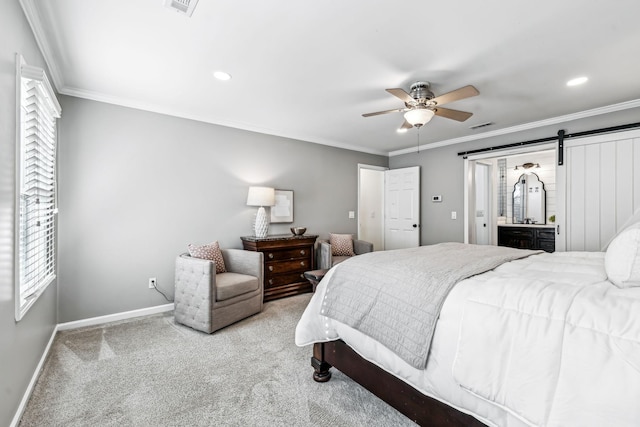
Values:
[(211, 252), (341, 244)]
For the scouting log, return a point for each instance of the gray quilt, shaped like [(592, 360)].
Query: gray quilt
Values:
[(395, 296)]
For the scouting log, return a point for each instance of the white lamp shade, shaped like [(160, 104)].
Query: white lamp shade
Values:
[(419, 116), (261, 196)]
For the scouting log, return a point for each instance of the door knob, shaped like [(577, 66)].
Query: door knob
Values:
[(415, 225)]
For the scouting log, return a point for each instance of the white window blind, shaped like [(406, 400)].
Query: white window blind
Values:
[(36, 234)]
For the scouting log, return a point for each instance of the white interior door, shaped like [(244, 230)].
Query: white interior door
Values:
[(402, 208)]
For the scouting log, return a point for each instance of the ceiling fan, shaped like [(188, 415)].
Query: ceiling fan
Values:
[(421, 104)]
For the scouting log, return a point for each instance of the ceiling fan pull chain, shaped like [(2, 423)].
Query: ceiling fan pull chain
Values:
[(419, 140)]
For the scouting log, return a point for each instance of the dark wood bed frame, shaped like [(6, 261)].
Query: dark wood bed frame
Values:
[(422, 409)]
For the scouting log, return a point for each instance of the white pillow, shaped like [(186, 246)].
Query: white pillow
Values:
[(622, 260)]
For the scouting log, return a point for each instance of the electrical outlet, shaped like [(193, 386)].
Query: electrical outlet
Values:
[(152, 283)]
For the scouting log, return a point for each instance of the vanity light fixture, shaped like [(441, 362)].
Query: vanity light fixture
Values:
[(528, 167)]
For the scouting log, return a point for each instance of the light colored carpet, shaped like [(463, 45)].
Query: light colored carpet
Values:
[(151, 371)]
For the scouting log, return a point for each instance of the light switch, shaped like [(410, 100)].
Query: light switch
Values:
[(454, 215), (352, 214)]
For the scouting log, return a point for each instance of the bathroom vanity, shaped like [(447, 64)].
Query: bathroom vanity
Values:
[(528, 229), (527, 236)]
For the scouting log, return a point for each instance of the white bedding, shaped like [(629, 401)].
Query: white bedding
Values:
[(506, 397)]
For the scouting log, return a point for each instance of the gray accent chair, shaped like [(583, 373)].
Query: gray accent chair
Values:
[(326, 260), (207, 301)]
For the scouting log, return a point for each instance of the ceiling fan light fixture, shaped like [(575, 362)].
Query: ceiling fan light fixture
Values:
[(419, 116)]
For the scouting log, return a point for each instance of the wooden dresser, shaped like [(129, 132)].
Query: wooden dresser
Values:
[(527, 237), (286, 258)]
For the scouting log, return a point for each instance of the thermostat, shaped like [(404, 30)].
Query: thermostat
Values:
[(436, 198)]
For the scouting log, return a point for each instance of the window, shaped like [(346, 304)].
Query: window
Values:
[(36, 185)]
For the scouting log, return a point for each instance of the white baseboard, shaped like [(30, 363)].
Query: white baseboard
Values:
[(74, 325), (114, 317), (32, 383)]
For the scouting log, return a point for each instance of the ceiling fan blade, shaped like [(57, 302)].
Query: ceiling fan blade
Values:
[(448, 113), (402, 94), (377, 113), (406, 125), (463, 92)]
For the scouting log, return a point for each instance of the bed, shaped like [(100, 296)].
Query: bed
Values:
[(539, 340)]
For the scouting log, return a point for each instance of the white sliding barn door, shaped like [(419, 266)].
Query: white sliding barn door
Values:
[(601, 186), (402, 208)]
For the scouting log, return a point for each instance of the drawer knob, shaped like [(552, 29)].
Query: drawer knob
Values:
[(270, 255), (271, 281), (302, 252), (302, 263), (271, 268)]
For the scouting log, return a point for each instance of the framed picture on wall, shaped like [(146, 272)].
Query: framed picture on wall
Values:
[(282, 211)]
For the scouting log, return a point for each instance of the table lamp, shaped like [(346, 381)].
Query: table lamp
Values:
[(261, 196)]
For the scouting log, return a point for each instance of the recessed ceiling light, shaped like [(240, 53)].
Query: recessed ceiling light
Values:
[(221, 75), (577, 81)]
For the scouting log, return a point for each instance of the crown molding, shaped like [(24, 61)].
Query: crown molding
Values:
[(95, 96), (33, 18), (527, 126), (125, 102)]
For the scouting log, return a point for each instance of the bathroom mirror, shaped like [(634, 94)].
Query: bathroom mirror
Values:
[(529, 200)]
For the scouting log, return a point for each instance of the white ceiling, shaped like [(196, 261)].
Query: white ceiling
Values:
[(309, 69)]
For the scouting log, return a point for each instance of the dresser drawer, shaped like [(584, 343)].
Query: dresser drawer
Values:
[(283, 279), (286, 258), (286, 254), (287, 266)]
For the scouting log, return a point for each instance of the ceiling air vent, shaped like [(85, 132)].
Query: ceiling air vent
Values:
[(182, 6), (481, 125)]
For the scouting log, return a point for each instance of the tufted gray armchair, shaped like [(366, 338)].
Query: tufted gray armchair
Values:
[(207, 301), (326, 259)]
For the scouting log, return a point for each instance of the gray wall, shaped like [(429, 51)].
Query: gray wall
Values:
[(442, 170), (136, 187), (21, 344)]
